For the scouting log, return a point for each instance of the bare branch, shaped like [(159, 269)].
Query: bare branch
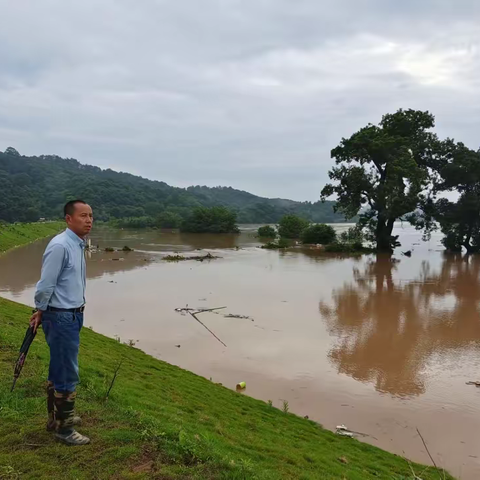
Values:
[(193, 314), (114, 378), (203, 310)]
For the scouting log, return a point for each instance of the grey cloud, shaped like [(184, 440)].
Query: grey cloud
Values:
[(252, 94)]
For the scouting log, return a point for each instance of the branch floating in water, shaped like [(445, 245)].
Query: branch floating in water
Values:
[(201, 323), (193, 312), (181, 258), (198, 310), (243, 317)]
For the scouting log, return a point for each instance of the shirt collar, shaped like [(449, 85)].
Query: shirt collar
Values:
[(75, 237)]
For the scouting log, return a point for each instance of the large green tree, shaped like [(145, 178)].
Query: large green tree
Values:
[(382, 171), (460, 220)]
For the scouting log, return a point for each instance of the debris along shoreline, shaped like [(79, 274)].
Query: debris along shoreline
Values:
[(197, 311), (194, 313), (180, 258)]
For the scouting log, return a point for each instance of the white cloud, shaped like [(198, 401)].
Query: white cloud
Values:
[(252, 94)]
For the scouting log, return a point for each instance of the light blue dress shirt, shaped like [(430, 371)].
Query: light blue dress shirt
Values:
[(63, 281)]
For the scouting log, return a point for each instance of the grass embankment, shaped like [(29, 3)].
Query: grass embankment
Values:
[(14, 235), (163, 422)]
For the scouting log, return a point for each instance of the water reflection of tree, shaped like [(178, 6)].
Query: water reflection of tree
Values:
[(460, 278), (387, 330), (316, 255)]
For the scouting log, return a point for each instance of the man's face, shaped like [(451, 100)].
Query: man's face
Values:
[(80, 222)]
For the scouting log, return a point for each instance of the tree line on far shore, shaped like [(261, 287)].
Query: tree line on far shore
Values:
[(197, 220), (222, 220), (34, 187)]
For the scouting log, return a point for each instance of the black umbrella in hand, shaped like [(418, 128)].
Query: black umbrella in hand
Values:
[(27, 341)]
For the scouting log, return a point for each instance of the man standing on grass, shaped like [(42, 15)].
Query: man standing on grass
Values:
[(60, 301)]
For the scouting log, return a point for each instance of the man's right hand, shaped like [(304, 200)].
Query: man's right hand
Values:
[(36, 320)]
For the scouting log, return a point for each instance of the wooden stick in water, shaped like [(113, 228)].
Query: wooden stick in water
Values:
[(202, 310), (193, 314)]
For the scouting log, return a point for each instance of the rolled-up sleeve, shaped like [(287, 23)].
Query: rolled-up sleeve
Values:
[(52, 265)]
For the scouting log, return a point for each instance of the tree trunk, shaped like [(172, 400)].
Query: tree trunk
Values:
[(470, 248), (383, 234)]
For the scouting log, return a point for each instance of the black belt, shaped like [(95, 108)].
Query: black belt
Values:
[(72, 310)]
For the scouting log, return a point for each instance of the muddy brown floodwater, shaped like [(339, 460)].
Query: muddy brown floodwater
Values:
[(381, 345)]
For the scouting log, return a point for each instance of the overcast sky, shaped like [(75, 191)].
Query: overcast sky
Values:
[(248, 93)]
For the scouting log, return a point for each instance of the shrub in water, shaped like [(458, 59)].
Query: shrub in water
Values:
[(267, 232), (292, 226), (282, 243), (321, 233)]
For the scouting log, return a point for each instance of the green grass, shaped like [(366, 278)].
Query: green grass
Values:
[(163, 422), (14, 235)]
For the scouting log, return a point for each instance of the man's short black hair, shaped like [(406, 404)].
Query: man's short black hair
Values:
[(69, 207)]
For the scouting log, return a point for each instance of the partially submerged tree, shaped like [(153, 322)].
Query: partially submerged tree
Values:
[(460, 220), (381, 172), (291, 226), (319, 233), (267, 231)]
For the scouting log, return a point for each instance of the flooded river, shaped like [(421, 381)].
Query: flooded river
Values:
[(381, 345)]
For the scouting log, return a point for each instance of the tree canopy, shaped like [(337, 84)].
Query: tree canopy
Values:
[(382, 171), (459, 171), (169, 219), (291, 226), (320, 233), (210, 220), (267, 231)]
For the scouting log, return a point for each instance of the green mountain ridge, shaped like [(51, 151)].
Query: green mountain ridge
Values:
[(38, 186)]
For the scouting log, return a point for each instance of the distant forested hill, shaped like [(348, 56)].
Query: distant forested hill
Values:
[(35, 187)]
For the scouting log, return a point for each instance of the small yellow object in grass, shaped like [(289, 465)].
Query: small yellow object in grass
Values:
[(241, 385)]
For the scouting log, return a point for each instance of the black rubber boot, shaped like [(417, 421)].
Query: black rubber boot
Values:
[(64, 415), (51, 422)]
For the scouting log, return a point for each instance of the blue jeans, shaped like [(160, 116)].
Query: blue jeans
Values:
[(62, 333)]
